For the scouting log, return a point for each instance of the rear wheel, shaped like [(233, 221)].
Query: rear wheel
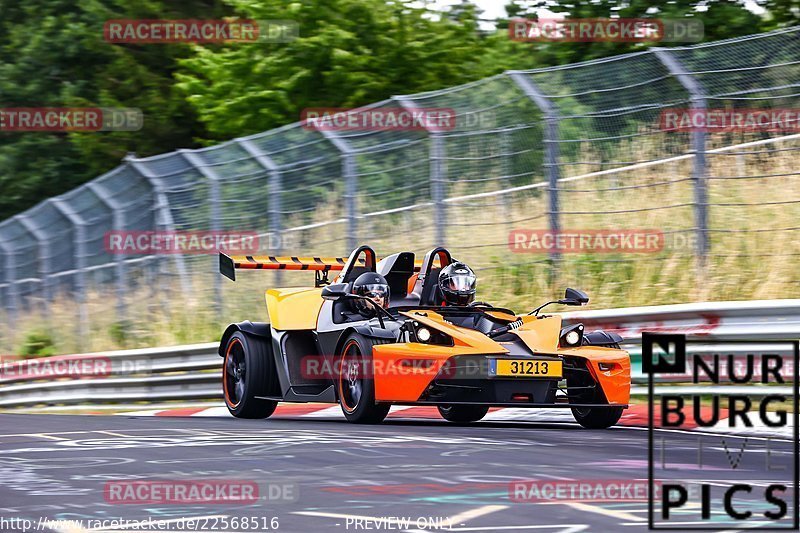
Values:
[(356, 384), (463, 413), (589, 392), (248, 371)]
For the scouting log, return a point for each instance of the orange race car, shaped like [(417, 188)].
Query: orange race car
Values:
[(398, 331)]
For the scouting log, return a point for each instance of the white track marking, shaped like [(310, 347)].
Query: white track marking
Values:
[(533, 415), (328, 412), (396, 408), (113, 434), (146, 412), (214, 411), (455, 519), (621, 515), (560, 528), (475, 513), (47, 436)]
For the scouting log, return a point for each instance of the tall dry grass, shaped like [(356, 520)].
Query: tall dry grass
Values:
[(753, 253)]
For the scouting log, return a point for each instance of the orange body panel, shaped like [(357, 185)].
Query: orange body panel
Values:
[(403, 371), (540, 334), (397, 382), (616, 382), (461, 336)]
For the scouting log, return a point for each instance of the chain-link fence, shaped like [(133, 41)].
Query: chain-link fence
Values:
[(580, 146)]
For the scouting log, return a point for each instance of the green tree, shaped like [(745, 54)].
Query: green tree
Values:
[(53, 54), (349, 53), (721, 19)]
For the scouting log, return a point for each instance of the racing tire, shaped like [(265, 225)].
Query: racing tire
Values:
[(462, 414), (593, 417), (597, 417), (355, 386), (248, 371)]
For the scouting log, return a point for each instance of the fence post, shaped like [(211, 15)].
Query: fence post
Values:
[(79, 242), (551, 138), (349, 170), (164, 215), (45, 264), (698, 138), (507, 168), (274, 195), (12, 301), (437, 173), (216, 220), (118, 224)]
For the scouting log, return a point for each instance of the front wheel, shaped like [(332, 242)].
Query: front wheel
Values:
[(591, 393), (463, 413), (597, 417), (356, 383), (248, 371)]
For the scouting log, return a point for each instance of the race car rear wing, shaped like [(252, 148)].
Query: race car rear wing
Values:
[(229, 263)]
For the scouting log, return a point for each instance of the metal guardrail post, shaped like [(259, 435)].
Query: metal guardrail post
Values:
[(274, 196), (551, 137), (118, 224), (216, 219), (349, 170), (438, 171), (164, 215), (698, 99), (79, 242)]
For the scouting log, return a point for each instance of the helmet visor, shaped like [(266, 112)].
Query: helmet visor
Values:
[(461, 282), (377, 292)]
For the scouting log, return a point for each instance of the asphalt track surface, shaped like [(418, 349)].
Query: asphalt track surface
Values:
[(402, 475)]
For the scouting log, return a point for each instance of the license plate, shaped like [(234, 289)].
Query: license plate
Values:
[(536, 368)]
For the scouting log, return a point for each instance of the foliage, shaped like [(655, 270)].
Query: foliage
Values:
[(38, 343), (349, 53)]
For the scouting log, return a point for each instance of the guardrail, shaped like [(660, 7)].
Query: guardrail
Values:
[(193, 372)]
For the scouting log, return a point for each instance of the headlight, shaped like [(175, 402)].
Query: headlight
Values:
[(424, 334), (572, 338), (427, 335)]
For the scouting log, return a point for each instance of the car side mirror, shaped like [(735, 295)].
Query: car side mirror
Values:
[(574, 297), (335, 291)]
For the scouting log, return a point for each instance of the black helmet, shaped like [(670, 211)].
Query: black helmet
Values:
[(458, 282), (373, 286)]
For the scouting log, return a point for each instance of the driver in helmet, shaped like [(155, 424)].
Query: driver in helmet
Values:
[(458, 284), (373, 286)]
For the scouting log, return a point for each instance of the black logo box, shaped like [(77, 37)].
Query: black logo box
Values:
[(678, 365)]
